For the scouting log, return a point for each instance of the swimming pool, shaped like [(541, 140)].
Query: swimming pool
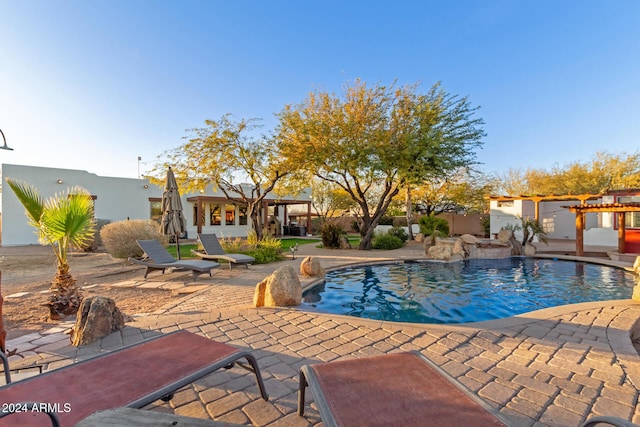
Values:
[(469, 291)]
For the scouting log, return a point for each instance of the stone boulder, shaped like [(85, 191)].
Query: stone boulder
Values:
[(529, 249), (281, 289), (419, 238), (636, 265), (460, 248), (440, 252), (310, 267), (505, 235), (344, 243), (97, 317), (469, 239)]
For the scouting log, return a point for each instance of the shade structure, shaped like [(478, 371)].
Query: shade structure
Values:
[(172, 223)]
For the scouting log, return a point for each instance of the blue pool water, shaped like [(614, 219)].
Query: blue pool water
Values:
[(469, 291)]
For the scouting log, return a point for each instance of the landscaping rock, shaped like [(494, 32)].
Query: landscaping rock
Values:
[(97, 317), (636, 265), (310, 267), (344, 243), (441, 252), (281, 289), (529, 249), (505, 235), (419, 238), (469, 239)]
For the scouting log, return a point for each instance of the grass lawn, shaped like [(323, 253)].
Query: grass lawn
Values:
[(287, 243)]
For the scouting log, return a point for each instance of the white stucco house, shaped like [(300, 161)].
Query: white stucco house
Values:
[(118, 199)]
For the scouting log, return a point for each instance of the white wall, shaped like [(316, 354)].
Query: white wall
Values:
[(116, 198)]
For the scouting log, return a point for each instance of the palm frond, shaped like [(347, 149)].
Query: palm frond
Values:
[(32, 202)]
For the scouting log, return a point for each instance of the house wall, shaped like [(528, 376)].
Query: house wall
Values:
[(116, 199), (558, 222)]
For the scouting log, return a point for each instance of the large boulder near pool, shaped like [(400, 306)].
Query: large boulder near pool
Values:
[(440, 252), (281, 289), (505, 235), (97, 317), (636, 265), (310, 267)]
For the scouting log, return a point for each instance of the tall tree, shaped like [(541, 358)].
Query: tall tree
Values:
[(63, 221), (329, 199), (604, 172), (464, 191), (371, 141), (219, 154)]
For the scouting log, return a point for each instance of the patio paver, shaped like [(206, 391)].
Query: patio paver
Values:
[(553, 367)]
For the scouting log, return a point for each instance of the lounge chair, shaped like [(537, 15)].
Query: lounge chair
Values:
[(403, 389), (132, 377), (213, 250), (160, 259)]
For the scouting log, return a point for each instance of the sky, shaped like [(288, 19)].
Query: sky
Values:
[(94, 85)]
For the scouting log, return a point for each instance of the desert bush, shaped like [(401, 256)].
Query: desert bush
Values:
[(267, 250), (399, 233), (331, 234), (429, 224), (119, 238), (386, 241), (233, 245)]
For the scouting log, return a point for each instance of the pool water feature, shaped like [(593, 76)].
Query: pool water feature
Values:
[(468, 291)]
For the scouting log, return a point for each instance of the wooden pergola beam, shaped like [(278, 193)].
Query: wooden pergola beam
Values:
[(620, 209)]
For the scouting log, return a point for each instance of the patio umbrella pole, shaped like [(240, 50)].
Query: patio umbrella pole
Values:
[(177, 246)]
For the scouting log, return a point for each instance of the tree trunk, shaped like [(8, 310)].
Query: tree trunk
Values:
[(409, 214), (65, 297), (254, 213)]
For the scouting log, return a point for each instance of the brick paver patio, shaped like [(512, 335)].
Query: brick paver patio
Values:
[(554, 367)]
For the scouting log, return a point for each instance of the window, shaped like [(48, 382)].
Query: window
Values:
[(214, 214), (230, 215), (242, 215), (155, 210), (631, 219)]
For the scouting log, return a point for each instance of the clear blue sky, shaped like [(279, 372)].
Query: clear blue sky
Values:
[(94, 84)]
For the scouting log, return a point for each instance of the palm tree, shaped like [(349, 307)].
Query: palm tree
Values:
[(64, 220)]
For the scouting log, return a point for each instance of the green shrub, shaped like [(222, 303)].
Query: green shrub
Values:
[(385, 220), (267, 250), (429, 224), (235, 245), (265, 255), (386, 241), (119, 238), (331, 235), (399, 233)]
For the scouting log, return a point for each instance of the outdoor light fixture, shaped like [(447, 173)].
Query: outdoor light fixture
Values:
[(5, 146), (146, 186), (59, 181)]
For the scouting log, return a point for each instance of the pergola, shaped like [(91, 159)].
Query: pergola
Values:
[(618, 208)]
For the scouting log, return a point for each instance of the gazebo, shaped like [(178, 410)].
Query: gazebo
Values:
[(620, 209)]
